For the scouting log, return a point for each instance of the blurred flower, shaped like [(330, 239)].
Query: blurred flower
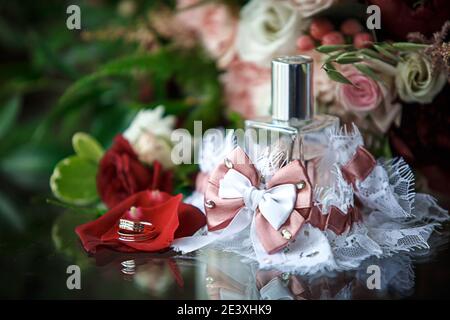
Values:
[(121, 174), (247, 88), (308, 8), (168, 25), (126, 8), (362, 40), (320, 27), (214, 24), (151, 148), (149, 134), (350, 27), (150, 120), (268, 28), (366, 97), (333, 38), (416, 81)]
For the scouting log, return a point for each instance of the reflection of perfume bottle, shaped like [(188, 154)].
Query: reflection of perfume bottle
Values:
[(294, 132)]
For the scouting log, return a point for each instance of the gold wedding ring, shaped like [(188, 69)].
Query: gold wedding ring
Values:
[(134, 226), (135, 231), (135, 237)]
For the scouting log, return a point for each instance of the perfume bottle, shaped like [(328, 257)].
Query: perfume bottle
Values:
[(293, 131)]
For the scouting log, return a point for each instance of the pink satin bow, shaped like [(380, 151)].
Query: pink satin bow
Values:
[(294, 284), (220, 212)]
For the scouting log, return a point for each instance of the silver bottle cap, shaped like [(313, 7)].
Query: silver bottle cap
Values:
[(292, 88)]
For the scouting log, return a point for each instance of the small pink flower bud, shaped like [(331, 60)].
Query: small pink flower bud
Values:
[(305, 43), (320, 27), (362, 40), (333, 38)]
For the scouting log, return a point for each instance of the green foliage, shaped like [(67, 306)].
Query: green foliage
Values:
[(333, 48), (8, 116), (386, 52), (9, 213), (368, 71), (87, 147), (73, 180), (334, 74)]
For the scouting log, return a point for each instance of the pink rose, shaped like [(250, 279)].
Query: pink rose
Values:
[(215, 25), (190, 15), (366, 97), (363, 96), (247, 88), (219, 29)]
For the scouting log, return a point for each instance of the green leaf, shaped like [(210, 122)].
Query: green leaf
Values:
[(236, 120), (74, 181), (386, 53), (29, 165), (368, 71), (409, 46), (10, 213), (337, 76), (348, 59), (8, 115), (87, 147), (329, 66), (332, 48), (371, 54), (388, 46), (122, 67)]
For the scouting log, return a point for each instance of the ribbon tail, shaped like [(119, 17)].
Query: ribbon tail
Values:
[(188, 244)]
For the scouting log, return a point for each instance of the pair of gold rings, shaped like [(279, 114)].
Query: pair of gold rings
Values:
[(134, 226), (135, 231)]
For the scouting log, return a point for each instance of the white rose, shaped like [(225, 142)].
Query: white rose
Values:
[(268, 28), (415, 80), (308, 8), (150, 148), (149, 135), (150, 121)]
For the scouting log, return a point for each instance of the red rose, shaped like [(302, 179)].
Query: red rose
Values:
[(121, 174), (170, 218)]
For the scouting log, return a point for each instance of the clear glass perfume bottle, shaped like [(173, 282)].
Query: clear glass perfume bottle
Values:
[(293, 131)]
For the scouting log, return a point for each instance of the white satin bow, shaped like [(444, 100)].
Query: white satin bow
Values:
[(275, 204)]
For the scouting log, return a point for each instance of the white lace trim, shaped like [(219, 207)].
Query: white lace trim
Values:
[(388, 188), (395, 218), (340, 194)]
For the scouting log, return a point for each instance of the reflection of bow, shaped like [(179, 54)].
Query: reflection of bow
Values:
[(280, 209), (275, 285)]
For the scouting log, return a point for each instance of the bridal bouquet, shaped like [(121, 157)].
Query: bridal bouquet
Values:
[(209, 61)]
